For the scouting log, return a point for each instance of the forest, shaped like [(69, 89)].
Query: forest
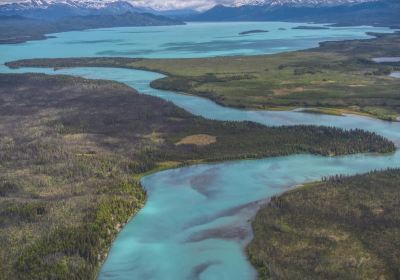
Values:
[(340, 228), (72, 153)]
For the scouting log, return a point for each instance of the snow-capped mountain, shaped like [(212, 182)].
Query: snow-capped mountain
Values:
[(298, 3), (44, 4), (84, 7), (63, 8), (343, 12)]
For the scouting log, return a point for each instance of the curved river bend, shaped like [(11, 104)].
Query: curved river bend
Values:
[(195, 223)]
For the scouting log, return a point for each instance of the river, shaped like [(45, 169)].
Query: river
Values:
[(195, 223)]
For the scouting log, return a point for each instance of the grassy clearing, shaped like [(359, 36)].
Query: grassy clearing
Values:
[(72, 152), (341, 228), (198, 140)]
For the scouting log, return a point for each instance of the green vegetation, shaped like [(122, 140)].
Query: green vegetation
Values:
[(337, 76), (72, 152), (341, 228), (254, 31), (304, 27)]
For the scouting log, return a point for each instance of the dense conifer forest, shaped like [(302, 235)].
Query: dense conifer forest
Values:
[(340, 228), (72, 152)]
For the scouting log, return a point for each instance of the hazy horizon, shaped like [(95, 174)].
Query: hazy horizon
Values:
[(199, 5)]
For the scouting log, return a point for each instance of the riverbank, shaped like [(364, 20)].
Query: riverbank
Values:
[(338, 77), (340, 228), (74, 150)]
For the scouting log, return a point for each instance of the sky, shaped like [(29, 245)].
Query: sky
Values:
[(181, 4)]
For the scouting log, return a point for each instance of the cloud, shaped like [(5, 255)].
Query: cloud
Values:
[(181, 4)]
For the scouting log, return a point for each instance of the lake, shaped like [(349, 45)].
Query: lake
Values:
[(195, 223)]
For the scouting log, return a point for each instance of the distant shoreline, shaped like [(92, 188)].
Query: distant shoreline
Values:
[(17, 29)]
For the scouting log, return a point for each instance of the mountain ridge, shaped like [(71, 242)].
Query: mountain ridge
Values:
[(377, 13), (298, 3), (51, 9)]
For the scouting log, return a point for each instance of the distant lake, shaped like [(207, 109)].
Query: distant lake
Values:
[(392, 59), (395, 75), (191, 40), (386, 59)]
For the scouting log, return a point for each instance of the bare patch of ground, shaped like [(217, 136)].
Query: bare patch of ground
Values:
[(198, 140), (286, 91)]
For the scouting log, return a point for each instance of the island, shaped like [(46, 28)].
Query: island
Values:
[(307, 27), (253, 31)]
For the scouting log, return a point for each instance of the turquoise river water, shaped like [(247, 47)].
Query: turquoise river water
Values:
[(195, 223)]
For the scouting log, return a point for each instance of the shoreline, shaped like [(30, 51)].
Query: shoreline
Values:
[(333, 111), (140, 64), (44, 36), (258, 205)]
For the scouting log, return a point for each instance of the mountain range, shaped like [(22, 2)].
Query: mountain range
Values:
[(312, 10), (32, 19), (55, 9), (302, 3), (50, 10), (341, 12), (20, 22)]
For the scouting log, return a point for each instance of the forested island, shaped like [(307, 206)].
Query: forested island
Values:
[(73, 151), (340, 228), (305, 27), (253, 31)]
